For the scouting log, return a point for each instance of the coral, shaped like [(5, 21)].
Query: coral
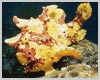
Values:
[(46, 39)]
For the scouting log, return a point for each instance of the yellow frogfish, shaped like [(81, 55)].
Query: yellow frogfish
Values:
[(45, 40)]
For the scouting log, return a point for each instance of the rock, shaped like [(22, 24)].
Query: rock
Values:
[(89, 51), (77, 70)]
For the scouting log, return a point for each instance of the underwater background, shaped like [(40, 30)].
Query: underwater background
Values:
[(10, 65)]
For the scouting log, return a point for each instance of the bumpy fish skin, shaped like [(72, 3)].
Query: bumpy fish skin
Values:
[(46, 39)]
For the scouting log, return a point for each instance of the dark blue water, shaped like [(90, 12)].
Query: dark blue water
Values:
[(33, 9)]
